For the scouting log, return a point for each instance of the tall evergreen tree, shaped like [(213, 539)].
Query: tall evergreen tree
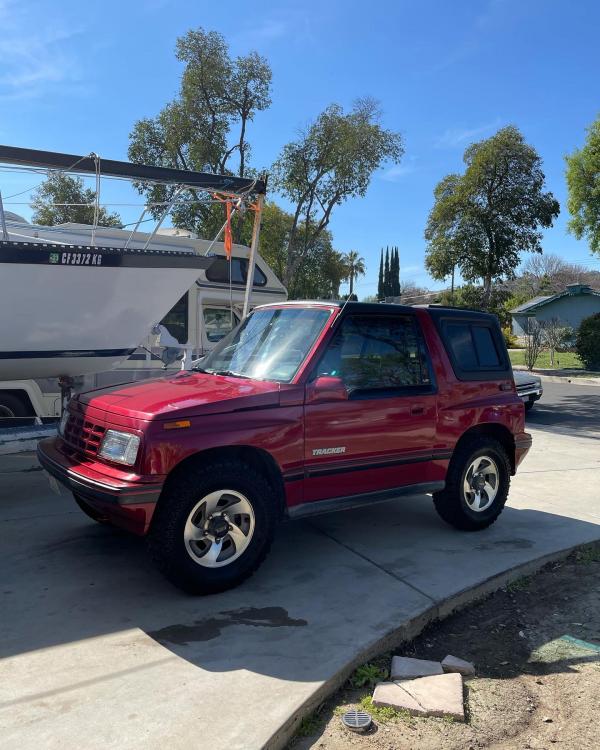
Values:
[(380, 288), (397, 273), (386, 274)]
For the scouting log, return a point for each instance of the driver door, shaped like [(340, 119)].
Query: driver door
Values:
[(381, 438)]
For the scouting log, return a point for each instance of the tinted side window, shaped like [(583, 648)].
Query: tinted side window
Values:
[(461, 342), (376, 352), (220, 268), (472, 346), (487, 354)]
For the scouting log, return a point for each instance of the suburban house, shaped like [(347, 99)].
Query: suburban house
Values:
[(571, 306)]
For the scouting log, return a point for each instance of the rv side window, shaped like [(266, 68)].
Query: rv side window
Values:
[(218, 322), (218, 272), (176, 320)]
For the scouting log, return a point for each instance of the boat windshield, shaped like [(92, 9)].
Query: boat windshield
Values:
[(270, 344)]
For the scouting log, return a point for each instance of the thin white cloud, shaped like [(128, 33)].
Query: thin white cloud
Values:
[(33, 56), (454, 137), (289, 23), (396, 172)]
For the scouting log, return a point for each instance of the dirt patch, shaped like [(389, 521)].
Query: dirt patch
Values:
[(534, 688)]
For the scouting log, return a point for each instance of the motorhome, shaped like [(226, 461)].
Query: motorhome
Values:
[(203, 315)]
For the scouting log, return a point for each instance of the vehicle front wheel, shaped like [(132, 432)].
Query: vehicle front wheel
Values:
[(213, 526), (476, 485), (529, 405)]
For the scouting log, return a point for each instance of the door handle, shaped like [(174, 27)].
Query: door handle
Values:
[(414, 410)]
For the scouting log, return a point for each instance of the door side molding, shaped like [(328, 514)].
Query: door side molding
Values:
[(318, 507)]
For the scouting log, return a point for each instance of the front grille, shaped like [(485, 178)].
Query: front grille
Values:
[(82, 435)]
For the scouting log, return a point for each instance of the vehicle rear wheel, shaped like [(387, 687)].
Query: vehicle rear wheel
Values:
[(476, 485), (14, 411), (90, 510), (213, 526)]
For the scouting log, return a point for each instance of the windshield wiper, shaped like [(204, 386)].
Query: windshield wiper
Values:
[(230, 374)]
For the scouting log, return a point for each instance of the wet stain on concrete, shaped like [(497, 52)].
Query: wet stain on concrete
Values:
[(506, 544), (212, 627)]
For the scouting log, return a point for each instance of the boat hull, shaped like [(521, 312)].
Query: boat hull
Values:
[(68, 311)]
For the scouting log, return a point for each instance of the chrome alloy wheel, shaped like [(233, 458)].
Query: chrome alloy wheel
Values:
[(219, 528), (481, 483)]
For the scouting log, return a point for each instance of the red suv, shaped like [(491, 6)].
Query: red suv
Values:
[(305, 408)]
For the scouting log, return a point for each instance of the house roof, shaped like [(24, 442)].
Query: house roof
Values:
[(572, 290), (531, 303)]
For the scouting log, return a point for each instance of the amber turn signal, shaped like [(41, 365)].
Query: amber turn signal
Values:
[(177, 425)]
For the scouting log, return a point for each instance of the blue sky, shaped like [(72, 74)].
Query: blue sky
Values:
[(75, 76)]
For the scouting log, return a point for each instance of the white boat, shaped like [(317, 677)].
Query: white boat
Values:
[(71, 309), (77, 299)]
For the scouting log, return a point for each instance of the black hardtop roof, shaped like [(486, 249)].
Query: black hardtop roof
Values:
[(436, 311)]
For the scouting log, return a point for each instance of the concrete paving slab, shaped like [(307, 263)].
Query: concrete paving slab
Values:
[(404, 668), (454, 664), (436, 695), (100, 652)]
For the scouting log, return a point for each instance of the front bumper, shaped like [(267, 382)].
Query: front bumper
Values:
[(126, 504), (530, 394)]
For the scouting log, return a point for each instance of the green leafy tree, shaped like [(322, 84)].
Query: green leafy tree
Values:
[(472, 297), (355, 267), (332, 161), (321, 273), (587, 343), (482, 220), (583, 182), (205, 128), (61, 199)]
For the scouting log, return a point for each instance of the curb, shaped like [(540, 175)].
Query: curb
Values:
[(409, 630), (20, 439)]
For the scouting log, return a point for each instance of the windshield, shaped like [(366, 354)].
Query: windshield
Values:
[(271, 344)]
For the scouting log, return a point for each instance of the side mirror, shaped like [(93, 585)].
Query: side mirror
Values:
[(326, 388)]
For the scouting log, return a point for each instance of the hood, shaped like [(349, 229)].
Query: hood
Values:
[(525, 378), (183, 394)]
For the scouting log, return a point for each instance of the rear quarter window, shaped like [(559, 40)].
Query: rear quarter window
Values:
[(475, 348)]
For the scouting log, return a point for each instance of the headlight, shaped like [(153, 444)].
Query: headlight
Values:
[(63, 422), (121, 447)]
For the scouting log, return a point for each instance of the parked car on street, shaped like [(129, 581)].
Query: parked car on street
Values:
[(304, 408), (529, 387)]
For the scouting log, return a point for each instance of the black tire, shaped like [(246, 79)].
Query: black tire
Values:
[(529, 405), (90, 511), (178, 499), (14, 412), (451, 503)]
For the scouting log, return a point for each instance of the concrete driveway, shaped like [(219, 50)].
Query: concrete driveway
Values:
[(100, 652)]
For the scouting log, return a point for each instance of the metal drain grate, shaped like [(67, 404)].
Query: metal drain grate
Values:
[(357, 721)]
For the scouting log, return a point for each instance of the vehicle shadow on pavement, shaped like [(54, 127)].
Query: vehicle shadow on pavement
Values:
[(581, 412), (330, 588)]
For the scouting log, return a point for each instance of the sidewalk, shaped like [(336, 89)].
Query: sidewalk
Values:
[(100, 652)]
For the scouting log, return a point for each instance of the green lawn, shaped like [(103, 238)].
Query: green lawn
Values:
[(561, 360)]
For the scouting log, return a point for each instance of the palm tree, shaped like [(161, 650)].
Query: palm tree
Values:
[(355, 266)]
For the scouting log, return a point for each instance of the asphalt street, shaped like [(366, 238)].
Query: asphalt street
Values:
[(567, 405)]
